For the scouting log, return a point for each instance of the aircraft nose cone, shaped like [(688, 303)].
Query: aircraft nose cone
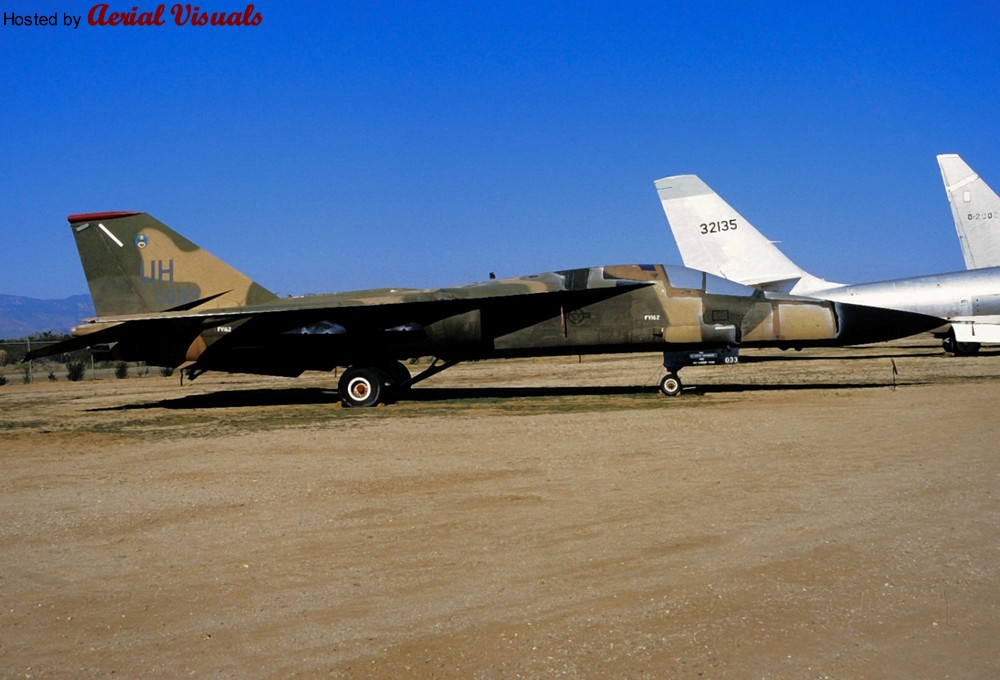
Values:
[(860, 324)]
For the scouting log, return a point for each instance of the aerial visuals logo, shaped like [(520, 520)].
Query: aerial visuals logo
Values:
[(181, 15), (104, 14)]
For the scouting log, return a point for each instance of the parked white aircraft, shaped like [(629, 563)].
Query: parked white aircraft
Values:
[(713, 237)]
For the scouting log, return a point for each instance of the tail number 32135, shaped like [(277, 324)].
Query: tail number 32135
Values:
[(717, 227)]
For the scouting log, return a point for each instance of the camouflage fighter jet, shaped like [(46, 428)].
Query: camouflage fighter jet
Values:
[(161, 299)]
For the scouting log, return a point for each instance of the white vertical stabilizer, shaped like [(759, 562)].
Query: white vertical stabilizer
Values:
[(976, 209), (714, 238)]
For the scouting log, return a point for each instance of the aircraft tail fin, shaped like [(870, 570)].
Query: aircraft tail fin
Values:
[(135, 264), (976, 210), (713, 237)]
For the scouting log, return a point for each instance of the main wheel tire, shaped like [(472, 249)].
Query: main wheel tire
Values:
[(952, 346), (670, 385), (360, 386), (398, 373), (967, 349)]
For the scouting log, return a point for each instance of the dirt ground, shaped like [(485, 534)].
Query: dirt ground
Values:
[(539, 518)]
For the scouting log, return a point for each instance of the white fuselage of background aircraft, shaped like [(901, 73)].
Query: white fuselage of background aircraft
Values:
[(713, 237), (970, 299)]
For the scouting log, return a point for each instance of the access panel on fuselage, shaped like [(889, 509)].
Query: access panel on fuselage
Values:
[(632, 318)]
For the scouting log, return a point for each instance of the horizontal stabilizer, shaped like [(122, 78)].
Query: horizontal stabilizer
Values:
[(107, 334)]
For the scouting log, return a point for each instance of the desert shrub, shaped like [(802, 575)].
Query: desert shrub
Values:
[(26, 374), (52, 376), (121, 369), (75, 370), (3, 380), (3, 357), (166, 371)]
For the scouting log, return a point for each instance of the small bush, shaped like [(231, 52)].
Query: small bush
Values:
[(121, 370), (52, 376), (3, 380), (26, 377), (166, 371), (75, 370)]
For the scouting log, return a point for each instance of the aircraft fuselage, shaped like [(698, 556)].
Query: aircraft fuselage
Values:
[(625, 308), (954, 296)]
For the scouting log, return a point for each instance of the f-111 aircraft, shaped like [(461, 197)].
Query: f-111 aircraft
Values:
[(161, 299), (713, 237)]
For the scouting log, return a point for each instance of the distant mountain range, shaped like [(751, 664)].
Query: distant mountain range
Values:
[(23, 316)]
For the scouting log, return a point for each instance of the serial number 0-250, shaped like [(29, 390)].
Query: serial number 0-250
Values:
[(718, 227), (983, 216)]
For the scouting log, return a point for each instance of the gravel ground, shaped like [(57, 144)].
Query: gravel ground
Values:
[(536, 518)]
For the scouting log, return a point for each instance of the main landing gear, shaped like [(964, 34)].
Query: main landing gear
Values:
[(363, 386), (671, 385), (952, 346), (371, 385)]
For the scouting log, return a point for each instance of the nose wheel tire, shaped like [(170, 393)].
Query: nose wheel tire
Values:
[(361, 386), (670, 385)]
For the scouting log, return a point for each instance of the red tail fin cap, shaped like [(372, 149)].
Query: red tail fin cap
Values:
[(87, 217)]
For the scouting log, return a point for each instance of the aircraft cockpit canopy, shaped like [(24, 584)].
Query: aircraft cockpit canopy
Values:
[(682, 277)]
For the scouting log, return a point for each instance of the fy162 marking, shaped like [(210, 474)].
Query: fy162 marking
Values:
[(717, 227)]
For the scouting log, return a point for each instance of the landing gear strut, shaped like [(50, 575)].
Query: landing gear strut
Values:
[(671, 385)]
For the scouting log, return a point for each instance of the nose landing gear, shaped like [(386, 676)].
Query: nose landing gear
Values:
[(671, 385)]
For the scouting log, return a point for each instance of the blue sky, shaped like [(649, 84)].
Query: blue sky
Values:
[(351, 145)]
